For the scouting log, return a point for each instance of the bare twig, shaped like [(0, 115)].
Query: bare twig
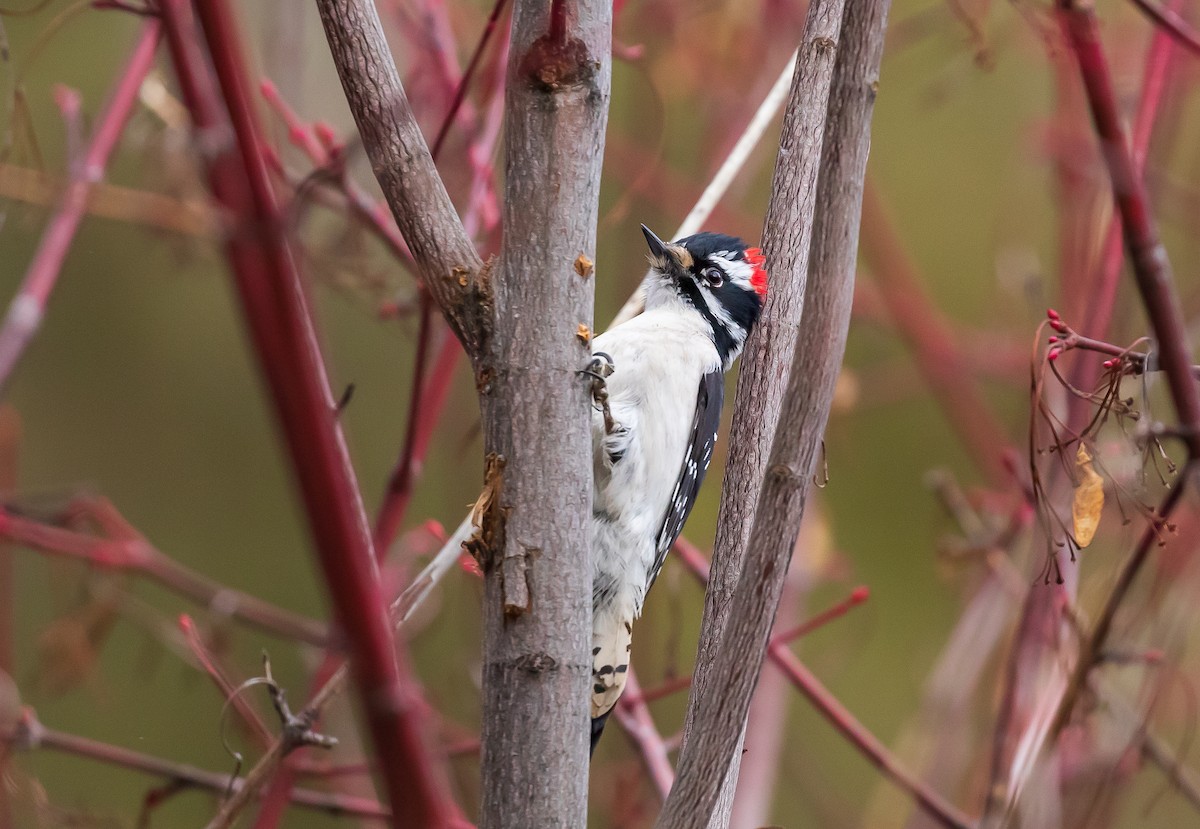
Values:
[(31, 734), (276, 310), (26, 310), (138, 556), (1172, 23), (452, 270), (634, 716)]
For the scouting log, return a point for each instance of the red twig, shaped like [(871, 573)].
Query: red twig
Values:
[(463, 84), (1172, 24), (1102, 295), (1151, 268), (139, 556), (857, 596), (28, 307), (31, 734), (838, 716), (276, 311), (868, 745), (228, 692), (634, 716)]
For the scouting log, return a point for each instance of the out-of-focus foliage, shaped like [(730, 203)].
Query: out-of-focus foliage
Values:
[(140, 387)]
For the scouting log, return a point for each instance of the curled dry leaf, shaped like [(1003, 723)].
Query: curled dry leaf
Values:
[(1089, 499)]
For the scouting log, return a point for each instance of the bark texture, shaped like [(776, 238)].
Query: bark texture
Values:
[(758, 523), (536, 413), (525, 321)]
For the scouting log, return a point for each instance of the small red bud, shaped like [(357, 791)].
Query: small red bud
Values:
[(326, 134), (1052, 354), (1059, 326), (1052, 314), (860, 594), (1109, 363), (268, 89), (1052, 340)]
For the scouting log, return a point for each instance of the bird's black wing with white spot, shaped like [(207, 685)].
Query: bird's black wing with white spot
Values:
[(695, 463)]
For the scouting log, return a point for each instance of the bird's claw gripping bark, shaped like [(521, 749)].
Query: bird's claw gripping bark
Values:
[(599, 369)]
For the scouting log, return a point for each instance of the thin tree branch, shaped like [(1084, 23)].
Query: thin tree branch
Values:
[(452, 271), (1172, 23), (835, 713), (754, 543), (1151, 267), (633, 714), (140, 557), (31, 735), (27, 308), (281, 328), (840, 718)]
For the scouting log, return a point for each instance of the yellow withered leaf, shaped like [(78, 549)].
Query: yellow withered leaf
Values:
[(1089, 498)]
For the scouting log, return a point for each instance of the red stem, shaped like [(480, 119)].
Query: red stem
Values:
[(634, 717), (276, 311), (1151, 268), (1103, 296), (425, 404), (28, 307), (460, 92), (1174, 26), (839, 717), (31, 734)]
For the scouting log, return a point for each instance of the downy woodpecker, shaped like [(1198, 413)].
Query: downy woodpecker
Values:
[(664, 383)]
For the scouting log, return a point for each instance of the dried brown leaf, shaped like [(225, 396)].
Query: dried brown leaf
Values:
[(1089, 499)]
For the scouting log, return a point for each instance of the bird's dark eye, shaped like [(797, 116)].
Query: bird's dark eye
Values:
[(713, 276)]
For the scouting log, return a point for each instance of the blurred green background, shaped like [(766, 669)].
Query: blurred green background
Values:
[(140, 386)]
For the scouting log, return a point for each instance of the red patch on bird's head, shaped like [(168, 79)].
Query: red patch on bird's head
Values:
[(758, 280)]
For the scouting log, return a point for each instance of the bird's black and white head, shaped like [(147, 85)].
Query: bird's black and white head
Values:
[(717, 276)]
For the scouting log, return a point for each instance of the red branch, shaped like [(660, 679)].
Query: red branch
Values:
[(276, 311), (1103, 295), (837, 715), (1151, 268), (31, 734), (134, 554), (1172, 24), (29, 305)]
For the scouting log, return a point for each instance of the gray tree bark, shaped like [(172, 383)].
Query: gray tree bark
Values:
[(758, 523), (536, 409), (525, 322)]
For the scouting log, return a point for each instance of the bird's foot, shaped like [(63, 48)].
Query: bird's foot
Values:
[(599, 369)]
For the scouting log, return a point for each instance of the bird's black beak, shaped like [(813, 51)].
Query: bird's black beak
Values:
[(669, 259), (658, 248)]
